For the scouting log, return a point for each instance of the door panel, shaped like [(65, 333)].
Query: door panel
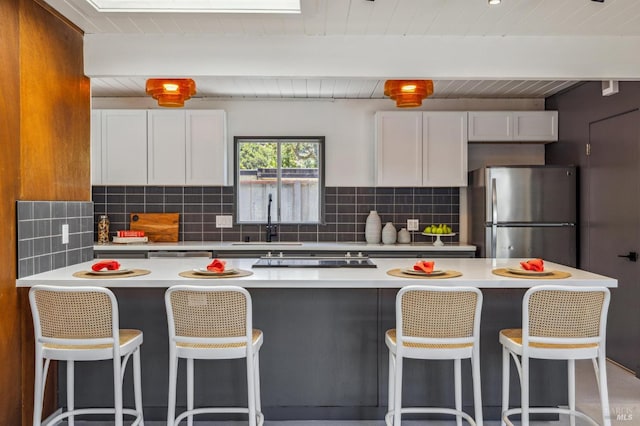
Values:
[(614, 227)]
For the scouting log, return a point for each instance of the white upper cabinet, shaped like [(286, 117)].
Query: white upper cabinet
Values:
[(206, 153), (513, 126), (444, 148), (158, 147), (416, 148), (166, 147), (535, 126), (187, 147), (490, 126), (124, 147), (399, 148)]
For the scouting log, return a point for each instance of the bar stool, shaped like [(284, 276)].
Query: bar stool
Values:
[(561, 323), (435, 323), (212, 323), (81, 324)]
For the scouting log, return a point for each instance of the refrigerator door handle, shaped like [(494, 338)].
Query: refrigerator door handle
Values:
[(494, 218)]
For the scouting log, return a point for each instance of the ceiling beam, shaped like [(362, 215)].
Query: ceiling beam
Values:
[(376, 57)]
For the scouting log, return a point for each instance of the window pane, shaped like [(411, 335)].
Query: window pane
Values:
[(300, 182), (258, 165)]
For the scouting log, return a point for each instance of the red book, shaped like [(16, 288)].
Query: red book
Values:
[(130, 233)]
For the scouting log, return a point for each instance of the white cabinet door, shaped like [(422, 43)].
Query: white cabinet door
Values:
[(206, 147), (398, 148), (535, 126), (444, 148), (494, 126), (96, 147), (166, 147), (513, 126), (124, 147)]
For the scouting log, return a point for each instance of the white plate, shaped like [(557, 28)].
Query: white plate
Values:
[(521, 271), (205, 271), (433, 273), (441, 235), (108, 272)]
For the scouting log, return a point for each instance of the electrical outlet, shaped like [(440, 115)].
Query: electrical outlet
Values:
[(65, 233), (224, 221), (412, 224)]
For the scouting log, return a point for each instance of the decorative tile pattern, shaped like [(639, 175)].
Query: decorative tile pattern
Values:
[(39, 225), (346, 210)]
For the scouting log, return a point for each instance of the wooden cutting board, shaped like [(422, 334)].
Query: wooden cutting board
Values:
[(159, 227)]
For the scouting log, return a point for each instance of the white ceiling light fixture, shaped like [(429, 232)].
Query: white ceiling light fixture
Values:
[(494, 2), (198, 6)]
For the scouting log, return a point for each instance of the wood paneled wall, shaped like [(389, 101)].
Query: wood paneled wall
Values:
[(55, 109), (44, 134), (10, 353)]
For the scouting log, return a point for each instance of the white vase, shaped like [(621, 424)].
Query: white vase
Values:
[(403, 236), (389, 234), (372, 228)]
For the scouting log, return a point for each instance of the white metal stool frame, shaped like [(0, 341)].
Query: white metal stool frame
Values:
[(443, 324), (212, 323), (561, 323), (81, 324)]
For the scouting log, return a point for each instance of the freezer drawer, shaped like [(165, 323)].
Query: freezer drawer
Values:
[(553, 243)]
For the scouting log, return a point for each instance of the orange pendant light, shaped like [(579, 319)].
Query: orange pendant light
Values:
[(171, 92), (408, 93)]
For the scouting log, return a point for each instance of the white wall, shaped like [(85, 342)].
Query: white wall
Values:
[(348, 126)]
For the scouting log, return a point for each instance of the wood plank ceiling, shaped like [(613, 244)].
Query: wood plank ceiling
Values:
[(512, 18)]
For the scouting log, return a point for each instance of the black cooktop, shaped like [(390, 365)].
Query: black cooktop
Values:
[(313, 263)]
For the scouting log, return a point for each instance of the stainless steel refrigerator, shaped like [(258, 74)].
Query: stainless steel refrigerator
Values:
[(524, 211)]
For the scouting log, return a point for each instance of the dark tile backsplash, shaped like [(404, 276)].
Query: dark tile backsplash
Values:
[(346, 210), (39, 238)]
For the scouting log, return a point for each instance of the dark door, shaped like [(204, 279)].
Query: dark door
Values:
[(613, 174)]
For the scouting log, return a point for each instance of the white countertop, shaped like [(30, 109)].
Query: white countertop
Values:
[(279, 246), (164, 273)]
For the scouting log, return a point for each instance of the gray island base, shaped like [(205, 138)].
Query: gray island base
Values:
[(324, 355)]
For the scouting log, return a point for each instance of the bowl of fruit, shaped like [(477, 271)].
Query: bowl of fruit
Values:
[(438, 231)]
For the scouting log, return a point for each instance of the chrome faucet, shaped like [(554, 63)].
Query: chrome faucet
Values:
[(272, 230)]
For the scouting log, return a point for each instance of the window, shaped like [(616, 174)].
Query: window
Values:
[(289, 169)]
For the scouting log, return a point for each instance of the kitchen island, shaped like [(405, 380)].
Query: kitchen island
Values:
[(324, 355)]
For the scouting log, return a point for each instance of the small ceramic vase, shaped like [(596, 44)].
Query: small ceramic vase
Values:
[(373, 227), (389, 234), (403, 236)]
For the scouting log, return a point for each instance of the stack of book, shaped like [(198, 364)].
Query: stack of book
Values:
[(131, 236)]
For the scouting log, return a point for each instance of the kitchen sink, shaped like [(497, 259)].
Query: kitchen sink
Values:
[(314, 262)]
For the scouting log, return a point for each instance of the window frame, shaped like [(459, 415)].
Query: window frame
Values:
[(320, 140)]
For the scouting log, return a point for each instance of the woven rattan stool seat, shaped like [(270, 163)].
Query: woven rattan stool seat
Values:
[(391, 335), (256, 335), (515, 335), (125, 336)]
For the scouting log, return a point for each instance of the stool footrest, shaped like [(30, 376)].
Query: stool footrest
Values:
[(431, 410), (93, 411), (547, 410), (216, 410)]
